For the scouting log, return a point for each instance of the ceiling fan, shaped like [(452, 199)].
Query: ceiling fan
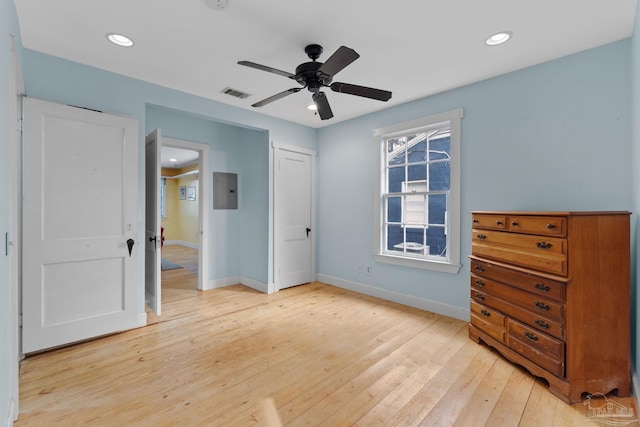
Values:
[(315, 75)]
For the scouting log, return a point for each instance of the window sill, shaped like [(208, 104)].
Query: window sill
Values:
[(425, 264)]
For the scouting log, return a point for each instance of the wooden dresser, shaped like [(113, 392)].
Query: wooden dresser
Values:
[(550, 292)]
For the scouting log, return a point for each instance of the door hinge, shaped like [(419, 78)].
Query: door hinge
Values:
[(21, 125), (20, 320)]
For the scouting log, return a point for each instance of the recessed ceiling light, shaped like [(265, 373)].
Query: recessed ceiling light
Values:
[(498, 38), (120, 39), (312, 107)]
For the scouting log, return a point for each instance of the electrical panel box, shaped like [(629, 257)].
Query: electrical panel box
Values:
[(225, 190)]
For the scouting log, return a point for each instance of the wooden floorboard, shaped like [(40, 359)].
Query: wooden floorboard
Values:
[(326, 356)]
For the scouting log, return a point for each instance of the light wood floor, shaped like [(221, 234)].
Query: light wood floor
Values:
[(327, 357)]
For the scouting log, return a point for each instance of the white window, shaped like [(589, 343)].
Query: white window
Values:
[(163, 198), (418, 193)]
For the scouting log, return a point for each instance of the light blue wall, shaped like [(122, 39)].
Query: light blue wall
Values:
[(239, 238), (8, 362), (551, 137), (255, 206), (635, 179)]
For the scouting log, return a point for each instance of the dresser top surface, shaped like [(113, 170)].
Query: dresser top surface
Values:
[(553, 213)]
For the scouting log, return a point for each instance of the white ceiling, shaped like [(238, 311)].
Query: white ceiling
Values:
[(182, 157), (414, 48)]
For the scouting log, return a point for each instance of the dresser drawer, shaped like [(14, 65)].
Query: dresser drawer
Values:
[(490, 296), (526, 242), (531, 283), (543, 350), (547, 255), (488, 314), (534, 303), (540, 225), (494, 222), (496, 331)]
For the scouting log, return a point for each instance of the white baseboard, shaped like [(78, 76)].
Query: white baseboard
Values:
[(411, 301), (141, 320), (13, 413), (221, 283), (256, 284), (181, 243)]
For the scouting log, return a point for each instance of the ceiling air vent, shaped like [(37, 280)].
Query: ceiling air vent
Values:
[(235, 92)]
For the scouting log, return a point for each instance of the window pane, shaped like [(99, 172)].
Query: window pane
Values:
[(395, 236), (417, 149), (414, 209), (396, 151), (394, 209), (437, 208), (418, 172), (439, 176), (437, 241), (396, 178), (440, 148)]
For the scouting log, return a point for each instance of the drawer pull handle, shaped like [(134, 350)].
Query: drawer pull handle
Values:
[(475, 221), (479, 268), (498, 222), (542, 306), (542, 288), (551, 226), (531, 337), (481, 237), (480, 297), (514, 223), (543, 245), (485, 313), (479, 283), (542, 324)]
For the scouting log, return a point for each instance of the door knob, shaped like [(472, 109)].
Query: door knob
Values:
[(308, 231), (130, 244)]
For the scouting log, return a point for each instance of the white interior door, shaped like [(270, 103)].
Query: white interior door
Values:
[(293, 234), (80, 199), (152, 281)]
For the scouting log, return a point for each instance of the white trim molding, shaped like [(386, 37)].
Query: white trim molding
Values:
[(635, 386), (181, 243), (255, 284), (222, 283)]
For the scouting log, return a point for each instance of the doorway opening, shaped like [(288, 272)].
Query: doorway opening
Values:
[(183, 219), (179, 213)]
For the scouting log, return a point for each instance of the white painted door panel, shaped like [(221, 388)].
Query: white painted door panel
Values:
[(79, 209), (293, 218), (152, 278)]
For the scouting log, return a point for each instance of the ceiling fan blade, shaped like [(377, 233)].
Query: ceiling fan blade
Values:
[(277, 96), (340, 59), (265, 68), (367, 92), (322, 103)]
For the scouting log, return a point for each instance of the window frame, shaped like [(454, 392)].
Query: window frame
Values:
[(452, 265)]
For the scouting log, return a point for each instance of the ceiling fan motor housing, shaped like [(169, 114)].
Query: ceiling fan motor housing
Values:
[(307, 75)]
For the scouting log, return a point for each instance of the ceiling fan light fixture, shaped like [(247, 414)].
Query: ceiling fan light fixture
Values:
[(119, 39), (312, 107), (498, 38)]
